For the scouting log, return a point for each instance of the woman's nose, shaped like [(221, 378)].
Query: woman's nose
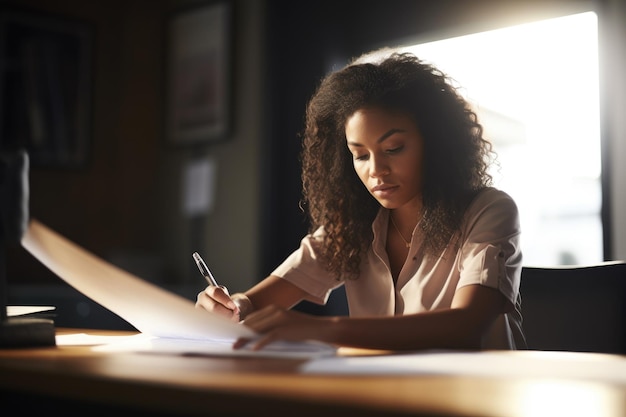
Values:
[(378, 167)]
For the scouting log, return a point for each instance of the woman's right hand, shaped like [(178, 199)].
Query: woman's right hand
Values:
[(217, 300)]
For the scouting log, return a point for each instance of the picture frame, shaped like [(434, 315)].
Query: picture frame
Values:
[(46, 87), (198, 74)]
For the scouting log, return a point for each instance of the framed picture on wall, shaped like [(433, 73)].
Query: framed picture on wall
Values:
[(46, 87), (198, 74)]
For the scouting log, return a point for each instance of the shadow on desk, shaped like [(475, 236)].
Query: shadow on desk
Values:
[(26, 404)]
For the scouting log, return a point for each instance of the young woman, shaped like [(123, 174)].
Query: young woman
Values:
[(402, 214)]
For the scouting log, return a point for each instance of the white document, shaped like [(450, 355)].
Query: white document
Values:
[(149, 344), (87, 339), (499, 364), (152, 310)]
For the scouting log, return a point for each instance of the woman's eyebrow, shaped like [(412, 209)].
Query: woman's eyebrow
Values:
[(389, 133), (382, 138)]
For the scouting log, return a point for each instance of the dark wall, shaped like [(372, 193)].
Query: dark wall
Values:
[(107, 202)]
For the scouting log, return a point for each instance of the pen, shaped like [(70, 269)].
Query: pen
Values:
[(204, 270)]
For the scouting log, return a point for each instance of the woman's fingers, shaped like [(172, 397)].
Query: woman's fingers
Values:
[(273, 323), (217, 300), (256, 344)]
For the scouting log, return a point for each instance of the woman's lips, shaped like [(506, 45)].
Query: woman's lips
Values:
[(384, 190)]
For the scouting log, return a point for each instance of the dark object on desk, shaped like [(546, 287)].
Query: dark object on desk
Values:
[(575, 308), (14, 216), (14, 195)]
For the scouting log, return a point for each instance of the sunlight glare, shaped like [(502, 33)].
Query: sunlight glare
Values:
[(535, 88)]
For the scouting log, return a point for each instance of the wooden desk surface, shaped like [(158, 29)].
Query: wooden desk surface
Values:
[(189, 385)]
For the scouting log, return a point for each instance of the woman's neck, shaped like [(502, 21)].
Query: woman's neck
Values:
[(406, 217)]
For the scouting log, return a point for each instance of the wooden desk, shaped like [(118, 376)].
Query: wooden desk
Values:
[(77, 378)]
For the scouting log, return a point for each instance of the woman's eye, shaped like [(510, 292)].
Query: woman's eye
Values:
[(360, 157), (395, 150)]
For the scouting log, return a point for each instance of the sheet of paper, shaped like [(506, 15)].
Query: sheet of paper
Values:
[(149, 308), (14, 311), (143, 343), (85, 339), (505, 364), (168, 322)]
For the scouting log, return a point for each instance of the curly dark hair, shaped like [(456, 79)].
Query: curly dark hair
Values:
[(455, 166)]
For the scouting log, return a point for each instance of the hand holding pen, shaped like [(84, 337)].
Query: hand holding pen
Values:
[(215, 297)]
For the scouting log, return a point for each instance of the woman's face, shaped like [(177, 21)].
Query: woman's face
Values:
[(387, 150)]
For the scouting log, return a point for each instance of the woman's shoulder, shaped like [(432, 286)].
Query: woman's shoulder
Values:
[(492, 195), (492, 199), (492, 210)]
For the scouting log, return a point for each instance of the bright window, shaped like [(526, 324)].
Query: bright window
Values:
[(535, 89)]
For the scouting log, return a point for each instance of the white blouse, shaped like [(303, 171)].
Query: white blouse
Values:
[(488, 254)]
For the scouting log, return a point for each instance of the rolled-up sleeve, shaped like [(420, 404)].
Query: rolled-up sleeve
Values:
[(302, 269), (490, 253)]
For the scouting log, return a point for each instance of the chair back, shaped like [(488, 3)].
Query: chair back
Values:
[(575, 308)]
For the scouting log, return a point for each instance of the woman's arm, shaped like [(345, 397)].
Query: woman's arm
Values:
[(276, 291), (272, 290), (462, 326)]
